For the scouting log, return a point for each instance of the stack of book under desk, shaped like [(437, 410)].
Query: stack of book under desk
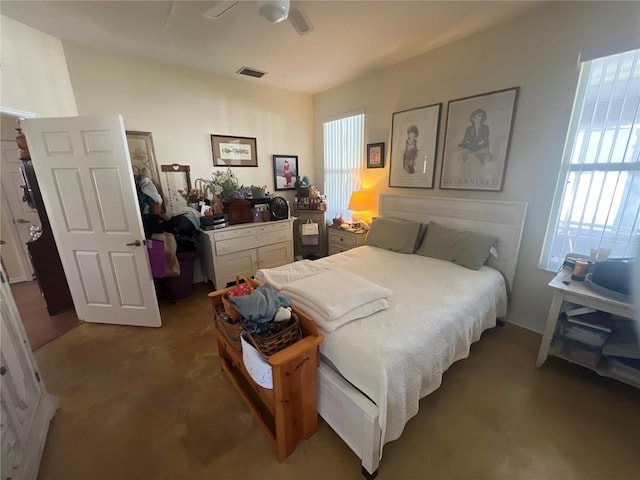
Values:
[(607, 343)]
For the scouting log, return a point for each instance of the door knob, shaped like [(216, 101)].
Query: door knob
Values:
[(22, 220), (137, 243)]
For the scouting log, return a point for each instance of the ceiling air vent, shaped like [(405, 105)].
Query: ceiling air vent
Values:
[(251, 72)]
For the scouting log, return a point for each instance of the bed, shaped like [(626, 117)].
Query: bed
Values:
[(374, 370)]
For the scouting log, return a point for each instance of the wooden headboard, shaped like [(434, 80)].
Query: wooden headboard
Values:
[(503, 220)]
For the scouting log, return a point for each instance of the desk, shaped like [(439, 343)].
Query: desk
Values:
[(580, 294)]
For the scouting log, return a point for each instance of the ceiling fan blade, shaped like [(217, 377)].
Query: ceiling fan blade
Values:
[(169, 14), (219, 9), (300, 21)]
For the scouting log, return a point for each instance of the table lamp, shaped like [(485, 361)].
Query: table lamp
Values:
[(361, 203)]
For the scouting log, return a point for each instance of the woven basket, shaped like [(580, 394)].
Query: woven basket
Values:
[(230, 330), (269, 343), (229, 309)]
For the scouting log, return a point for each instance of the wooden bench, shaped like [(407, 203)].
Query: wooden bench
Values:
[(288, 412)]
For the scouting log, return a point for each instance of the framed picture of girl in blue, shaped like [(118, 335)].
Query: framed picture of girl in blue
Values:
[(477, 140)]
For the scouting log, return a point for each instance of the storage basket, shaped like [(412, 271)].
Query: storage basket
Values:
[(228, 306), (231, 331), (229, 309), (271, 342)]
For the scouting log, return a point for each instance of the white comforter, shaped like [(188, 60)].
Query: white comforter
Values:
[(398, 355)]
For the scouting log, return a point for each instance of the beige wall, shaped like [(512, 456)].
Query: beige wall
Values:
[(537, 52), (34, 72), (183, 107), (33, 78)]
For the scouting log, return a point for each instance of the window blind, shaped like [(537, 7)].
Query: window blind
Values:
[(343, 161), (597, 201)]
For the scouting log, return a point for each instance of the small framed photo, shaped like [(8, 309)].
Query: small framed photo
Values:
[(234, 151), (285, 171), (375, 155), (477, 140), (414, 147)]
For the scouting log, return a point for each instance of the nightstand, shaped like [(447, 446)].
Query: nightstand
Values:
[(341, 240)]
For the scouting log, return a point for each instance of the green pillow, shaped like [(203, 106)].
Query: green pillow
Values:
[(421, 231), (464, 248), (393, 234)]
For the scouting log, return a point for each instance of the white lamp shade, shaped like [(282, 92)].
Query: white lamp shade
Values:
[(274, 10)]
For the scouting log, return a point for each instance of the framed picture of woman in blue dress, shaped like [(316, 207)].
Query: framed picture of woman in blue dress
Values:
[(477, 139)]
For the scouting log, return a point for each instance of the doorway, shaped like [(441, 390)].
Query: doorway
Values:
[(16, 220)]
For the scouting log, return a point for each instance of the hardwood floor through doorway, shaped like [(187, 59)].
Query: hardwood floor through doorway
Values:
[(41, 328)]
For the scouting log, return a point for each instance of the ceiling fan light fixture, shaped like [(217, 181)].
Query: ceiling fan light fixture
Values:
[(274, 11)]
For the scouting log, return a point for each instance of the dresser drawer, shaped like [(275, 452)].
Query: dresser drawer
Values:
[(257, 240), (272, 227), (235, 233), (343, 240), (232, 245), (333, 249)]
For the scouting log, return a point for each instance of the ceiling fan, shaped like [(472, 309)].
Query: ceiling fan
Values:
[(275, 11)]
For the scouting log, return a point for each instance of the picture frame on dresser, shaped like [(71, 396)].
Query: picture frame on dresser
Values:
[(232, 151), (414, 147)]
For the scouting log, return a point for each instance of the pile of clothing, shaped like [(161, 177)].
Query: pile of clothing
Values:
[(262, 309)]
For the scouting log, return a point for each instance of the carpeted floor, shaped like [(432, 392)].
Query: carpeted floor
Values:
[(39, 326), (140, 403)]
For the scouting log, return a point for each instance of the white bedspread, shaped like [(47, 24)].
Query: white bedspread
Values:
[(398, 355), (335, 297)]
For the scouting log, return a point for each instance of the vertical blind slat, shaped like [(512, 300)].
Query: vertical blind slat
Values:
[(343, 147)]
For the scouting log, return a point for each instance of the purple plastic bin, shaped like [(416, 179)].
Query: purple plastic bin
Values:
[(175, 288)]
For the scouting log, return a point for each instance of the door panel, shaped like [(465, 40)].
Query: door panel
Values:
[(111, 208), (275, 255), (84, 171), (92, 276), (130, 292), (68, 187), (241, 264)]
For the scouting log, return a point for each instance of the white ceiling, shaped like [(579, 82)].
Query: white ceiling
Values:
[(350, 38)]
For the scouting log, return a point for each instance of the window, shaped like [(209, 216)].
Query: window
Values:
[(598, 195), (343, 160)]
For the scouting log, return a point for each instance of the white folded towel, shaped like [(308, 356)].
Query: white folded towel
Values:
[(335, 297), (280, 276)]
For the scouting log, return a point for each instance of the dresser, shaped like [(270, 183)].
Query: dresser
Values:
[(241, 250), (43, 251), (341, 239)]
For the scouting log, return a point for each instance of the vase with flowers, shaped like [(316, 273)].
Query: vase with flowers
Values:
[(225, 185), (193, 197)]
